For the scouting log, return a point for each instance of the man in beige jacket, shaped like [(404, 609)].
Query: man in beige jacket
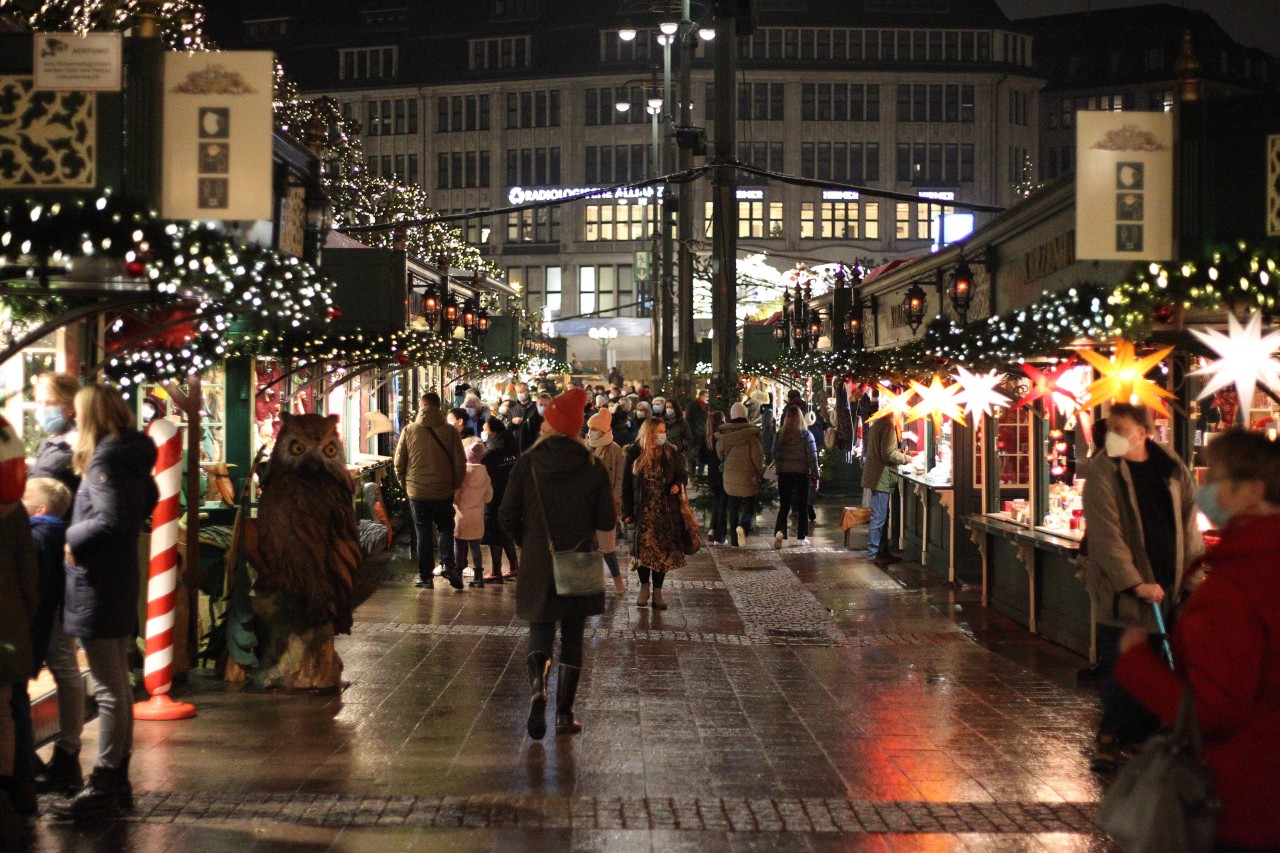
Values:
[(1139, 507), (431, 465)]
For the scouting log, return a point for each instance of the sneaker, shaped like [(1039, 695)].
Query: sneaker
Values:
[(742, 535), (802, 543), (777, 541), (423, 584)]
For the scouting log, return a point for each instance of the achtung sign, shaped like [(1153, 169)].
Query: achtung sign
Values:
[(217, 135), (1124, 186), (67, 62)]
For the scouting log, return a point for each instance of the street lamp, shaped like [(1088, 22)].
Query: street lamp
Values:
[(603, 335), (627, 32)]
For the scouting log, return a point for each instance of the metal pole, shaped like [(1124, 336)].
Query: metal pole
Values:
[(725, 213), (684, 204), (668, 255), (655, 287)]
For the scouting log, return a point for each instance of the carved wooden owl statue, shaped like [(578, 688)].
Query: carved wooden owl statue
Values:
[(307, 543)]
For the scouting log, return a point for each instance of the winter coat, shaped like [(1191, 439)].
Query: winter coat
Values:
[(1117, 558), (49, 532), (621, 428), (499, 460), (18, 573), (798, 456), (696, 415), (613, 458), (635, 496), (738, 445), (578, 501), (880, 473), (53, 459), (430, 469), (680, 436), (1226, 645), (469, 502), (115, 497)]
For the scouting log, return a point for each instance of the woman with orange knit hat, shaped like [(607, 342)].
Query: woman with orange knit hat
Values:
[(600, 440), (559, 498)]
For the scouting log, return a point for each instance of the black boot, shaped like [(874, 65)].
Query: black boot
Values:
[(102, 797), (566, 690), (126, 787), (62, 773), (539, 667)]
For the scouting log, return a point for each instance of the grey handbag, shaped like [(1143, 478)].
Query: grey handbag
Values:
[(577, 574), (1163, 800)]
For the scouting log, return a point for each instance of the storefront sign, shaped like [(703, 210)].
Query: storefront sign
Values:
[(47, 141), (67, 62), (217, 135), (520, 195), (1124, 186), (1043, 260), (1273, 185), (938, 195), (749, 195), (840, 195)]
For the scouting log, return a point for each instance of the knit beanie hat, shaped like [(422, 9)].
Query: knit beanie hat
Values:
[(565, 413), (737, 410), (601, 421)]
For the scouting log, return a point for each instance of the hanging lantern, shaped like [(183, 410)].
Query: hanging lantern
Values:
[(960, 289), (857, 340), (815, 328), (913, 305), (469, 315), (451, 310), (431, 306)]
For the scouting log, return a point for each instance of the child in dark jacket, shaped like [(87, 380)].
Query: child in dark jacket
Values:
[(47, 502)]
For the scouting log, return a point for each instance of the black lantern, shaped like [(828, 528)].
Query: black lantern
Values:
[(431, 306), (482, 324), (856, 339), (451, 312), (780, 331), (960, 289), (469, 314), (913, 305), (815, 328)]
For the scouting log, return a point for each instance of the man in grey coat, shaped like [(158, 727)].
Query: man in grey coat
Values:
[(880, 475), (430, 464)]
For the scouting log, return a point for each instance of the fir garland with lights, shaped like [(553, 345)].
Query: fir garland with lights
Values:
[(181, 21), (410, 347)]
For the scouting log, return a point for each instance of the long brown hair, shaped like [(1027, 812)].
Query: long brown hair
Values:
[(792, 427), (100, 412), (715, 420), (651, 453)]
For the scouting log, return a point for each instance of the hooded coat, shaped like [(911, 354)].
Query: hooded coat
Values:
[(115, 497), (738, 445), (577, 501), (430, 468), (1226, 645), (469, 502)]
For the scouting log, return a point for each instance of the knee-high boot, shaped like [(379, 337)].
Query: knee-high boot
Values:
[(566, 690), (539, 667)]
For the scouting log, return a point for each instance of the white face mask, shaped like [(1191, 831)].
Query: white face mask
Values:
[(1117, 445), (660, 438), (541, 409), (523, 398)]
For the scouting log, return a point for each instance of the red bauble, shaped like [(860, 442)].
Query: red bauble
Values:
[(135, 268), (402, 358), (334, 312), (1163, 313)]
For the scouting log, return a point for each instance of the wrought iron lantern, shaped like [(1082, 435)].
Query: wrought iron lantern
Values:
[(913, 306), (960, 289)]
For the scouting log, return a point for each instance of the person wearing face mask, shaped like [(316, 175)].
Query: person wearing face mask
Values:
[(1139, 505), (639, 415), (1226, 645), (55, 414), (502, 452), (652, 479), (621, 423), (679, 433), (531, 427), (600, 440)]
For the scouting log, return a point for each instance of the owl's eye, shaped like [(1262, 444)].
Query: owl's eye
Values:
[(296, 448), (331, 450)]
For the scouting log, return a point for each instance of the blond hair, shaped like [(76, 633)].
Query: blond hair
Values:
[(792, 428), (650, 451), (48, 492), (63, 386), (100, 412)]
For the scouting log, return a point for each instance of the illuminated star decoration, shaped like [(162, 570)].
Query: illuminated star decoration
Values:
[(978, 392), (1050, 385), (891, 402), (936, 401), (1245, 359), (1123, 378)]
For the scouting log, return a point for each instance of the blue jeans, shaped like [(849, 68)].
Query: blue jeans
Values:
[(433, 517), (878, 537)]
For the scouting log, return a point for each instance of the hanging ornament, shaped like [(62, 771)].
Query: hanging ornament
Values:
[(892, 402), (1245, 359), (978, 392), (1053, 386), (936, 401), (1123, 378)]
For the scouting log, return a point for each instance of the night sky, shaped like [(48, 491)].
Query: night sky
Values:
[(1255, 23)]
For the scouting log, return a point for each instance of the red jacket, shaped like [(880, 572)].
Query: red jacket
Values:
[(1227, 644)]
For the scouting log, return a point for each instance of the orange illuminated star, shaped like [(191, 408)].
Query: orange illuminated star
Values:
[(892, 402), (936, 401), (1123, 378)]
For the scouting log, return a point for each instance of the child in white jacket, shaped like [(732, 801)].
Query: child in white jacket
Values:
[(468, 510)]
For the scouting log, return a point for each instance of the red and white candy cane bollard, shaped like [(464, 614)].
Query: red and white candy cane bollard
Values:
[(162, 580)]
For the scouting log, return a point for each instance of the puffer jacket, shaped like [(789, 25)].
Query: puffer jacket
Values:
[(738, 445), (115, 497), (880, 473), (469, 502), (53, 459), (1117, 554), (430, 470), (798, 456), (17, 585)]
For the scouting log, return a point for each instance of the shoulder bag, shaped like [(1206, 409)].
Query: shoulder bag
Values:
[(692, 532), (1163, 799), (576, 574)]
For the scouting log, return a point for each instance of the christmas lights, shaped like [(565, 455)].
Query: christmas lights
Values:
[(937, 401)]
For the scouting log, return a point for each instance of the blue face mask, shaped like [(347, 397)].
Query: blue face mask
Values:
[(51, 419), (1207, 502)]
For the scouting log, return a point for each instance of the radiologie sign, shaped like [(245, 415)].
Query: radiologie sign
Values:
[(217, 135), (1124, 186)]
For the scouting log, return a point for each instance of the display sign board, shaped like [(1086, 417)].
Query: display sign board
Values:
[(217, 135), (67, 62), (641, 262), (1124, 186)]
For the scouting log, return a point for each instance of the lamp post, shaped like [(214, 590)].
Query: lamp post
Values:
[(604, 335)]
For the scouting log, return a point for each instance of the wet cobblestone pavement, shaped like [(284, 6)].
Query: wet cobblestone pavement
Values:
[(800, 699)]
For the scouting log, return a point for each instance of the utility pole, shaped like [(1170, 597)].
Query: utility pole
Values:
[(685, 202), (724, 197), (668, 254)]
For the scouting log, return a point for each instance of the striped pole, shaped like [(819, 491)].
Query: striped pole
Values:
[(162, 581)]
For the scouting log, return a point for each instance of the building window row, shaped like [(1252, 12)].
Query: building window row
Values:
[(461, 113), (603, 289), (462, 170), (391, 117), (935, 162), (840, 161), (476, 230), (878, 45), (1019, 108), (758, 219), (533, 109), (1058, 160), (391, 167), (840, 220), (496, 53), (919, 220), (367, 63), (615, 164), (606, 222), (601, 107), (540, 225), (542, 286), (385, 19), (840, 102), (536, 167), (762, 155), (935, 102), (756, 102)]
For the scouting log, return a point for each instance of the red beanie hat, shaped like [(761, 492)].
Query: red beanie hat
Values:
[(566, 412)]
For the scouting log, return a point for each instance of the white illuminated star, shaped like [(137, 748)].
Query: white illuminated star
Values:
[(978, 392), (1245, 359)]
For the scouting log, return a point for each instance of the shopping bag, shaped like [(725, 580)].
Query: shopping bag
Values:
[(692, 531)]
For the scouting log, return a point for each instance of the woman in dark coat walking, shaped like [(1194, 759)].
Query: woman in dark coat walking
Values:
[(100, 604), (576, 502), (502, 452), (651, 486)]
